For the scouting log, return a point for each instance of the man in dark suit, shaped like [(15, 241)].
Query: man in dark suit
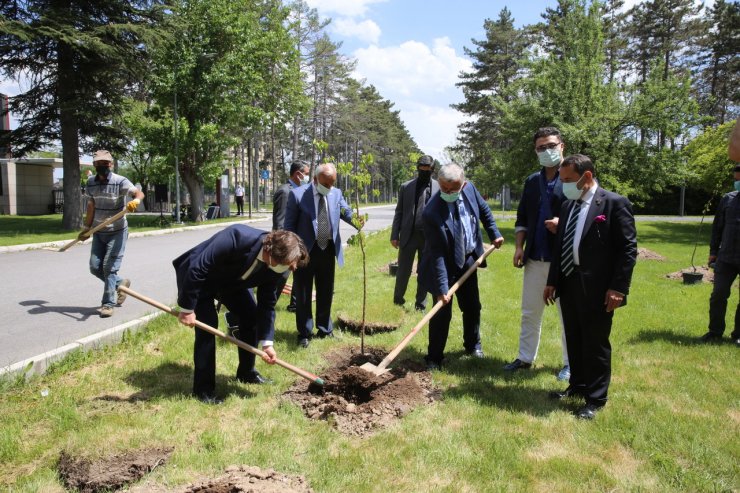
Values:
[(453, 244), (724, 254), (226, 268), (313, 213), (535, 228), (591, 270), (407, 233), (298, 176)]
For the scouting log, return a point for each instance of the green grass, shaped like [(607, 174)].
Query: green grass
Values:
[(671, 424)]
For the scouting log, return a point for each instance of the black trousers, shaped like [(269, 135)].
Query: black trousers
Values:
[(468, 300), (239, 302), (320, 270), (240, 205), (587, 329), (406, 255), (724, 275)]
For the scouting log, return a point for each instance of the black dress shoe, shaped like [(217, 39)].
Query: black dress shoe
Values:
[(325, 335), (420, 308), (568, 392), (517, 364), (476, 353), (291, 308), (303, 342), (710, 337), (588, 411), (254, 377), (432, 365), (209, 399), (398, 302)]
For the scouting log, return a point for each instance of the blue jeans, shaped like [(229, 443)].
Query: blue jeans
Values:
[(106, 255)]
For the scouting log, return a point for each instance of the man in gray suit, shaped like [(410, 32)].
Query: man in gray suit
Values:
[(407, 234), (299, 171)]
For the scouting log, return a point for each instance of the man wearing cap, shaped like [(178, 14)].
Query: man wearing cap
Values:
[(108, 193), (407, 233), (299, 171), (724, 253)]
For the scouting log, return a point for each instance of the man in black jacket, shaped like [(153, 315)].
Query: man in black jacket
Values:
[(407, 232), (591, 270), (724, 253), (535, 228)]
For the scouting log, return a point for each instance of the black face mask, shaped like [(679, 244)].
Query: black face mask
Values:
[(425, 175), (103, 171)]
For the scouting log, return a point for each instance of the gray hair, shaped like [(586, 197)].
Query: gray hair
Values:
[(325, 169), (451, 173)]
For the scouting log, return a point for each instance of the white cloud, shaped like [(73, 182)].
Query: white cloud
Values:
[(366, 30), (411, 68), (432, 127), (345, 8)]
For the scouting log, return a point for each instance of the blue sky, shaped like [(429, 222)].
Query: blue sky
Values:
[(412, 52)]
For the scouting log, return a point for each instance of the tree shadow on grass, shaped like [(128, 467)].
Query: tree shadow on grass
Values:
[(175, 380), (649, 336)]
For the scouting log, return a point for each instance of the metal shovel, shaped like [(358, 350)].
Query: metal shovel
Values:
[(382, 367)]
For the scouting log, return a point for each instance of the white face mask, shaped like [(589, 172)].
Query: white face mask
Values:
[(571, 190), (279, 268), (550, 158), (322, 189), (304, 179)]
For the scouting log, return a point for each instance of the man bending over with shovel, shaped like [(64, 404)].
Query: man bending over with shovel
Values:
[(227, 267)]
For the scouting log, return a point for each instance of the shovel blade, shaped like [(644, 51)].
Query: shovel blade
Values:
[(374, 369)]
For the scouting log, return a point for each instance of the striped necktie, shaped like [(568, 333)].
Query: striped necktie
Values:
[(323, 232), (566, 259)]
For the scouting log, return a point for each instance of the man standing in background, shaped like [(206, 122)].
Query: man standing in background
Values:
[(239, 195), (407, 233), (535, 228)]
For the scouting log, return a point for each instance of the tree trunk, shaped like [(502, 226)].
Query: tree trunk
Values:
[(72, 217), (194, 184)]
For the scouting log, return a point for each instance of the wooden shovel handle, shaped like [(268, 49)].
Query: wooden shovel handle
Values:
[(437, 306), (156, 304), (95, 229)]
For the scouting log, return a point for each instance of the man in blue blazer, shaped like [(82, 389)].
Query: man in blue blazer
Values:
[(313, 213), (227, 267), (453, 244)]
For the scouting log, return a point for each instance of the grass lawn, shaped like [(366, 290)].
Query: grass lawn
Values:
[(672, 422)]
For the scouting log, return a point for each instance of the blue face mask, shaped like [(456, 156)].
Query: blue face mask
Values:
[(450, 197), (737, 185), (550, 157), (571, 190)]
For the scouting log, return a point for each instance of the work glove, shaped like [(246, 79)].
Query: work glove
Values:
[(84, 234), (131, 206)]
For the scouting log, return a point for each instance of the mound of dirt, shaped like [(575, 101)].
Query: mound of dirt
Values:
[(645, 254), (371, 328), (355, 401), (111, 473), (708, 274), (238, 479)]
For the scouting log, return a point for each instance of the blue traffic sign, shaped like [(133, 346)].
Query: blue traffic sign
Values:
[(265, 174)]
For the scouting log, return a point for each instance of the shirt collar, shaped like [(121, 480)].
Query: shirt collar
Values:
[(586, 199)]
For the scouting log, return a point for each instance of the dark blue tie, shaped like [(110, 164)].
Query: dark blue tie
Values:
[(459, 239)]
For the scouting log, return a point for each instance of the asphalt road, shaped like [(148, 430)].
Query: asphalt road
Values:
[(48, 299)]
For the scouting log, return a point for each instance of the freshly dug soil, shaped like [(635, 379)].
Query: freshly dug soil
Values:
[(355, 401), (371, 328), (708, 274), (385, 269), (645, 254), (238, 479), (111, 473)]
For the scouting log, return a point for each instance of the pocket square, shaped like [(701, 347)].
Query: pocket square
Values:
[(600, 219)]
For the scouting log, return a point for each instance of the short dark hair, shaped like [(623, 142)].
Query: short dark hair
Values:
[(580, 162), (546, 132), (425, 160), (298, 165)]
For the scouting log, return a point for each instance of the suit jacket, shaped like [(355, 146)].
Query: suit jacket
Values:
[(437, 266), (217, 265), (300, 216), (528, 211), (608, 249), (279, 205), (403, 220)]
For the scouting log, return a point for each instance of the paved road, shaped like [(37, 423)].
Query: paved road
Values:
[(48, 299)]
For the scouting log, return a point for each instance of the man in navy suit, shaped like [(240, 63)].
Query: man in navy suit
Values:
[(453, 244), (227, 267), (313, 213), (594, 254)]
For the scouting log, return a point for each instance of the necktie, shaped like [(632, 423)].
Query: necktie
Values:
[(323, 231), (459, 239), (566, 262)]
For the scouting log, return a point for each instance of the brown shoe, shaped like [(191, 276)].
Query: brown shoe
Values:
[(105, 311), (121, 295)]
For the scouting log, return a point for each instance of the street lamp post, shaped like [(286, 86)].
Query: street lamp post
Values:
[(177, 163)]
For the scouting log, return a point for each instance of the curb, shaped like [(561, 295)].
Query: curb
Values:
[(37, 365)]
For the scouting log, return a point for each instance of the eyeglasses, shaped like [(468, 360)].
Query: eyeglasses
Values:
[(547, 147)]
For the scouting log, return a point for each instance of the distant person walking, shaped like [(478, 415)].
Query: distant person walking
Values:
[(107, 194), (239, 195), (407, 233)]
